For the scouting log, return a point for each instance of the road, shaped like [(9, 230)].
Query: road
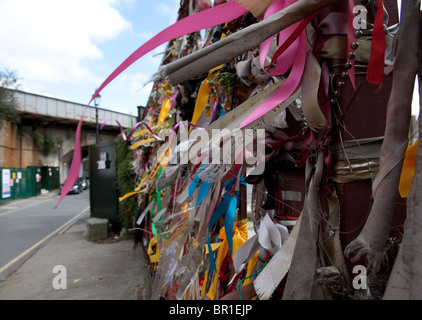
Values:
[(26, 225)]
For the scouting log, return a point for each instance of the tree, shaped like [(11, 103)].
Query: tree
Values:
[(8, 83)]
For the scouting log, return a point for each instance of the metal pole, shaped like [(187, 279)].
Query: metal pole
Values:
[(97, 131)]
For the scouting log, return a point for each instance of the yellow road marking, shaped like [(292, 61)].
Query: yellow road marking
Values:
[(11, 262)]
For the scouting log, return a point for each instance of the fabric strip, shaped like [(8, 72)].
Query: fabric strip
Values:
[(375, 72), (288, 87), (196, 22)]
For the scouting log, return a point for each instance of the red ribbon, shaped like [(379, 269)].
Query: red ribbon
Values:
[(309, 136), (375, 71)]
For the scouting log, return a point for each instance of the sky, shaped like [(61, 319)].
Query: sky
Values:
[(67, 48)]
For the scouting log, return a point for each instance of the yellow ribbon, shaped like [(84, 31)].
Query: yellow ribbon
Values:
[(142, 142), (408, 169), (137, 189), (201, 101), (154, 255), (137, 134), (240, 236), (165, 108), (214, 246), (251, 265), (203, 94), (127, 195), (144, 179), (162, 161)]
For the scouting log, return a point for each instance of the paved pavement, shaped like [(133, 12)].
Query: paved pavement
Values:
[(27, 224), (70, 267)]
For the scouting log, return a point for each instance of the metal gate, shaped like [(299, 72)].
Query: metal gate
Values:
[(17, 183)]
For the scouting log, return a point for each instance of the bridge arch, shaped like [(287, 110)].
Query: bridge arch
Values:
[(45, 117)]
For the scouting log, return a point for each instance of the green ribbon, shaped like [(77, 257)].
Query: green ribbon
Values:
[(158, 202)]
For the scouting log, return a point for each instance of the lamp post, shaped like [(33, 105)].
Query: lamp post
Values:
[(59, 148), (97, 100)]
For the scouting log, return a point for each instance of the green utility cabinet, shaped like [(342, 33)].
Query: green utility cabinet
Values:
[(103, 191)]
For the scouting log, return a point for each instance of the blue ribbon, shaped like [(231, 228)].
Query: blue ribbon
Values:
[(227, 207), (203, 189)]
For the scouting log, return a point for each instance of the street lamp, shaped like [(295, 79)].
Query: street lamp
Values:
[(97, 100), (59, 147)]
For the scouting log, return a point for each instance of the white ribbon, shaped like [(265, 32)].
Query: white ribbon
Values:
[(270, 237), (269, 278), (142, 216)]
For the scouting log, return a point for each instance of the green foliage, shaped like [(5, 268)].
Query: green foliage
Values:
[(8, 83), (125, 182), (224, 80), (45, 142)]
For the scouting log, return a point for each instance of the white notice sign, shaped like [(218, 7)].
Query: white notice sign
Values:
[(5, 188)]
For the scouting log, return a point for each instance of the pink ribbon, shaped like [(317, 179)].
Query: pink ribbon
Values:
[(196, 22), (76, 163), (189, 124), (287, 58), (214, 111), (292, 38), (291, 54), (288, 87)]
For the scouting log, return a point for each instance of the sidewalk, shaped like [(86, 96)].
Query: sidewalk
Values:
[(104, 270), (21, 202)]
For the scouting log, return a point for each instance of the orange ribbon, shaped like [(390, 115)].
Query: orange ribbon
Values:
[(240, 236), (408, 169)]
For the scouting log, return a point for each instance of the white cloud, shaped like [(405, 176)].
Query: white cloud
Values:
[(126, 91), (168, 8), (145, 35), (128, 82), (165, 9), (56, 46), (55, 40)]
